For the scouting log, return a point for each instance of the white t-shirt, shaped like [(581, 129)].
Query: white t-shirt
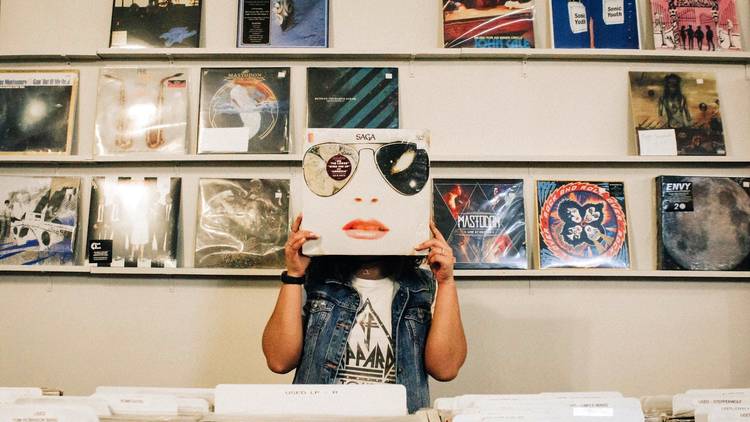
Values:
[(369, 356)]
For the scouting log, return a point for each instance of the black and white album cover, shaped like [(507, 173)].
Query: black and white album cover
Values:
[(37, 111), (242, 223), (140, 216), (155, 23)]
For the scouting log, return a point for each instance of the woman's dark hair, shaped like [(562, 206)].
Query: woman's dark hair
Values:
[(343, 267)]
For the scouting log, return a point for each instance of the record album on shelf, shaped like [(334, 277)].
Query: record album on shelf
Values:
[(142, 110), (155, 23), (282, 23), (242, 223), (488, 23), (352, 97), (137, 218), (696, 25), (483, 221), (38, 220), (676, 113), (594, 24), (244, 110), (37, 111), (703, 223), (582, 224)]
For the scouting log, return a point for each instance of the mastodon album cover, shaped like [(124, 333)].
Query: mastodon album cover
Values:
[(483, 220), (684, 105), (244, 110), (582, 224), (703, 223), (352, 97), (155, 23), (696, 25), (242, 223), (140, 216), (38, 220), (142, 110), (37, 111), (283, 23), (488, 23)]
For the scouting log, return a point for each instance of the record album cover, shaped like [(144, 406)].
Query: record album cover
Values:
[(38, 220), (703, 223), (483, 220), (142, 110), (594, 24), (140, 216), (242, 223), (582, 224), (37, 111), (488, 23), (366, 191), (352, 97), (686, 104), (283, 23), (244, 110), (155, 23), (696, 25)]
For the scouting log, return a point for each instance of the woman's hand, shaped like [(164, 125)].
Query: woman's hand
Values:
[(296, 263), (441, 257)]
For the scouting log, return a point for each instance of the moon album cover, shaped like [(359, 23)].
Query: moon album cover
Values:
[(242, 223), (696, 25), (37, 111), (684, 104), (155, 23), (244, 110), (142, 110), (38, 220), (352, 97), (283, 23), (703, 223), (140, 216), (582, 224), (594, 24), (488, 23), (483, 220)]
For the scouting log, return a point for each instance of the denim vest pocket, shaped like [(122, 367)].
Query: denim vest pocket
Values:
[(418, 322), (318, 312)]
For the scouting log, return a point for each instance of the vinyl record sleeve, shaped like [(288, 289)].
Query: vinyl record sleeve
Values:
[(684, 102), (488, 23), (242, 223), (352, 97), (244, 110), (483, 221), (703, 223), (582, 224), (38, 220), (142, 110), (285, 23), (37, 111), (366, 192), (696, 25), (594, 24), (140, 216), (155, 23)]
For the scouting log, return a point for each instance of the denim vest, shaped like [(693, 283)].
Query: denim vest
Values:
[(329, 313)]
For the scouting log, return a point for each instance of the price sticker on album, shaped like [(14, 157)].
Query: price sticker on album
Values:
[(577, 17), (100, 251), (613, 12)]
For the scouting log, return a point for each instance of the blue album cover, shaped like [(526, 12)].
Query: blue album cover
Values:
[(352, 97), (594, 24), (282, 23)]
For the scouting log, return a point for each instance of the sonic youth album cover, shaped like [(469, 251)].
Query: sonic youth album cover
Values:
[(155, 23), (582, 224), (488, 23), (696, 25), (684, 105), (703, 223), (483, 220), (352, 97), (244, 110), (594, 24), (283, 23), (38, 220), (37, 111), (140, 216), (242, 223)]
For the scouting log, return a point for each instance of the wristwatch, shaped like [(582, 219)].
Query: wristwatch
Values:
[(287, 279)]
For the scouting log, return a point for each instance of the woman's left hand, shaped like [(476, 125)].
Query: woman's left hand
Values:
[(441, 257)]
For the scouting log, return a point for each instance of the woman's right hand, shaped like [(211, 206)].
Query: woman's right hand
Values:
[(296, 263)]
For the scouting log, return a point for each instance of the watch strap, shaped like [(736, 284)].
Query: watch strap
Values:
[(288, 279)]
